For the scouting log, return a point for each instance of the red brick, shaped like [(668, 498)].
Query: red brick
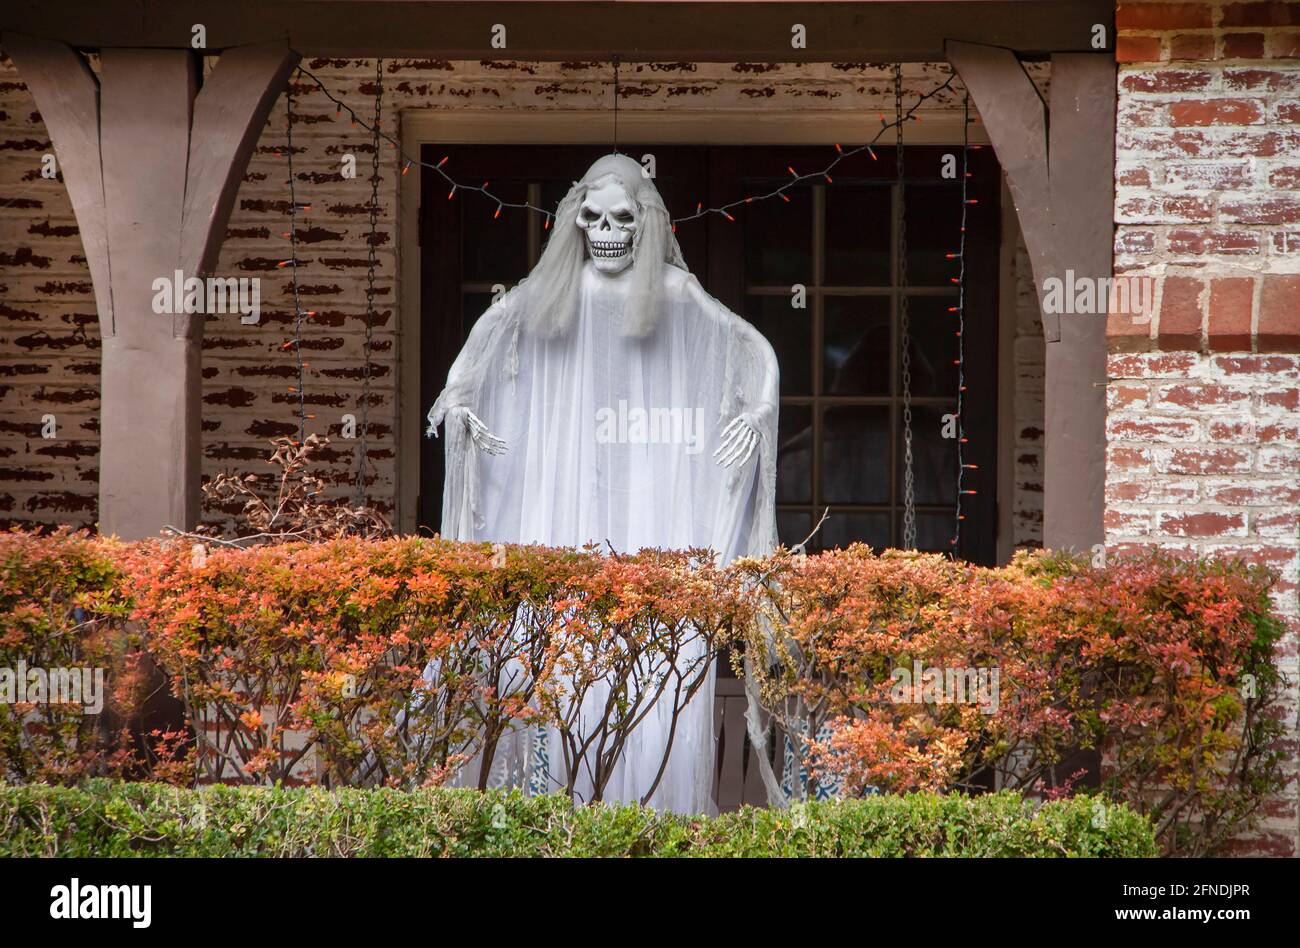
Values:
[(1288, 112), (1261, 210), (1134, 177), (1201, 112), (1167, 80), (1275, 13), (1274, 366), (1231, 304), (1272, 80), (1127, 521), (1134, 241), (1180, 313), (1129, 459), (1125, 335), (1232, 431), (1280, 432), (1281, 399), (1279, 313), (1141, 113), (1165, 209), (1201, 524), (1160, 430), (1154, 366), (1199, 396), (1283, 460), (1260, 143), (1238, 493), (1152, 490), (1137, 49), (1120, 396), (1163, 16), (1281, 524), (1192, 46), (1284, 44), (1203, 460), (1286, 241), (1285, 178), (1243, 46), (1216, 176), (1200, 240)]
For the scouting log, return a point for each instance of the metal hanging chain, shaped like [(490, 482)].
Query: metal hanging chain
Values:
[(616, 151), (904, 325), (292, 263), (962, 466), (363, 446)]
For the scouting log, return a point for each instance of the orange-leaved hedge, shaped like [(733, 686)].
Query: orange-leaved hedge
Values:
[(398, 662), (901, 672)]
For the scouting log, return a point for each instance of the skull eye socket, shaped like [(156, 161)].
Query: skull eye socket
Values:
[(622, 218), (588, 214)]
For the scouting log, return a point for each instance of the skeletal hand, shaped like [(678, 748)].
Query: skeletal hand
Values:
[(478, 431), (739, 439)]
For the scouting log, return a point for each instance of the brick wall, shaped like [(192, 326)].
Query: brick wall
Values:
[(1030, 366), (1203, 433), (48, 331)]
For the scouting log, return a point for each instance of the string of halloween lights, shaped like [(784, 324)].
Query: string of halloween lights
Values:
[(363, 445), (501, 205), (841, 154), (960, 313)]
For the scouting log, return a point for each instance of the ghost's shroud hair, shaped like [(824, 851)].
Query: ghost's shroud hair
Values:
[(549, 295)]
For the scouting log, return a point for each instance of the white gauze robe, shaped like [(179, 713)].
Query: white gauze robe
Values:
[(610, 439)]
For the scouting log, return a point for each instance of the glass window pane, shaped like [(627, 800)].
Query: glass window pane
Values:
[(778, 237), (789, 331), (934, 345), (841, 529), (934, 457), (855, 360), (494, 250), (792, 526), (933, 217), (794, 455), (855, 454), (858, 232), (934, 532)]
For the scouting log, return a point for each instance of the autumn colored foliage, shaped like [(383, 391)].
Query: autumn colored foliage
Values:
[(1163, 667), (398, 662)]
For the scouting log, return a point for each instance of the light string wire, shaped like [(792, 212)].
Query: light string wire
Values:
[(298, 313), (962, 466), (841, 154), (363, 445)]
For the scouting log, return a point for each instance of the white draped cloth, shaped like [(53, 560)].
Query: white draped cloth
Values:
[(610, 440)]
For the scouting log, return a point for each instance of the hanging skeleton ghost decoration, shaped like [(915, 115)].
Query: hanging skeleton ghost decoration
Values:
[(608, 217), (609, 399)]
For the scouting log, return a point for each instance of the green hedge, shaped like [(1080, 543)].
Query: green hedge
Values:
[(108, 818)]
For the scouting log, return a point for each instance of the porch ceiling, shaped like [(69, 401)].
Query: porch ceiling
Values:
[(876, 31)]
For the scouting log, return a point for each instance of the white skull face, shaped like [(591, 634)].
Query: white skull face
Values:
[(608, 217)]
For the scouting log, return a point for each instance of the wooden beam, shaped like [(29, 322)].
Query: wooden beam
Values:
[(893, 31), (1015, 117), (1059, 165), (229, 116), (150, 378), (67, 93), (152, 166), (1081, 168)]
